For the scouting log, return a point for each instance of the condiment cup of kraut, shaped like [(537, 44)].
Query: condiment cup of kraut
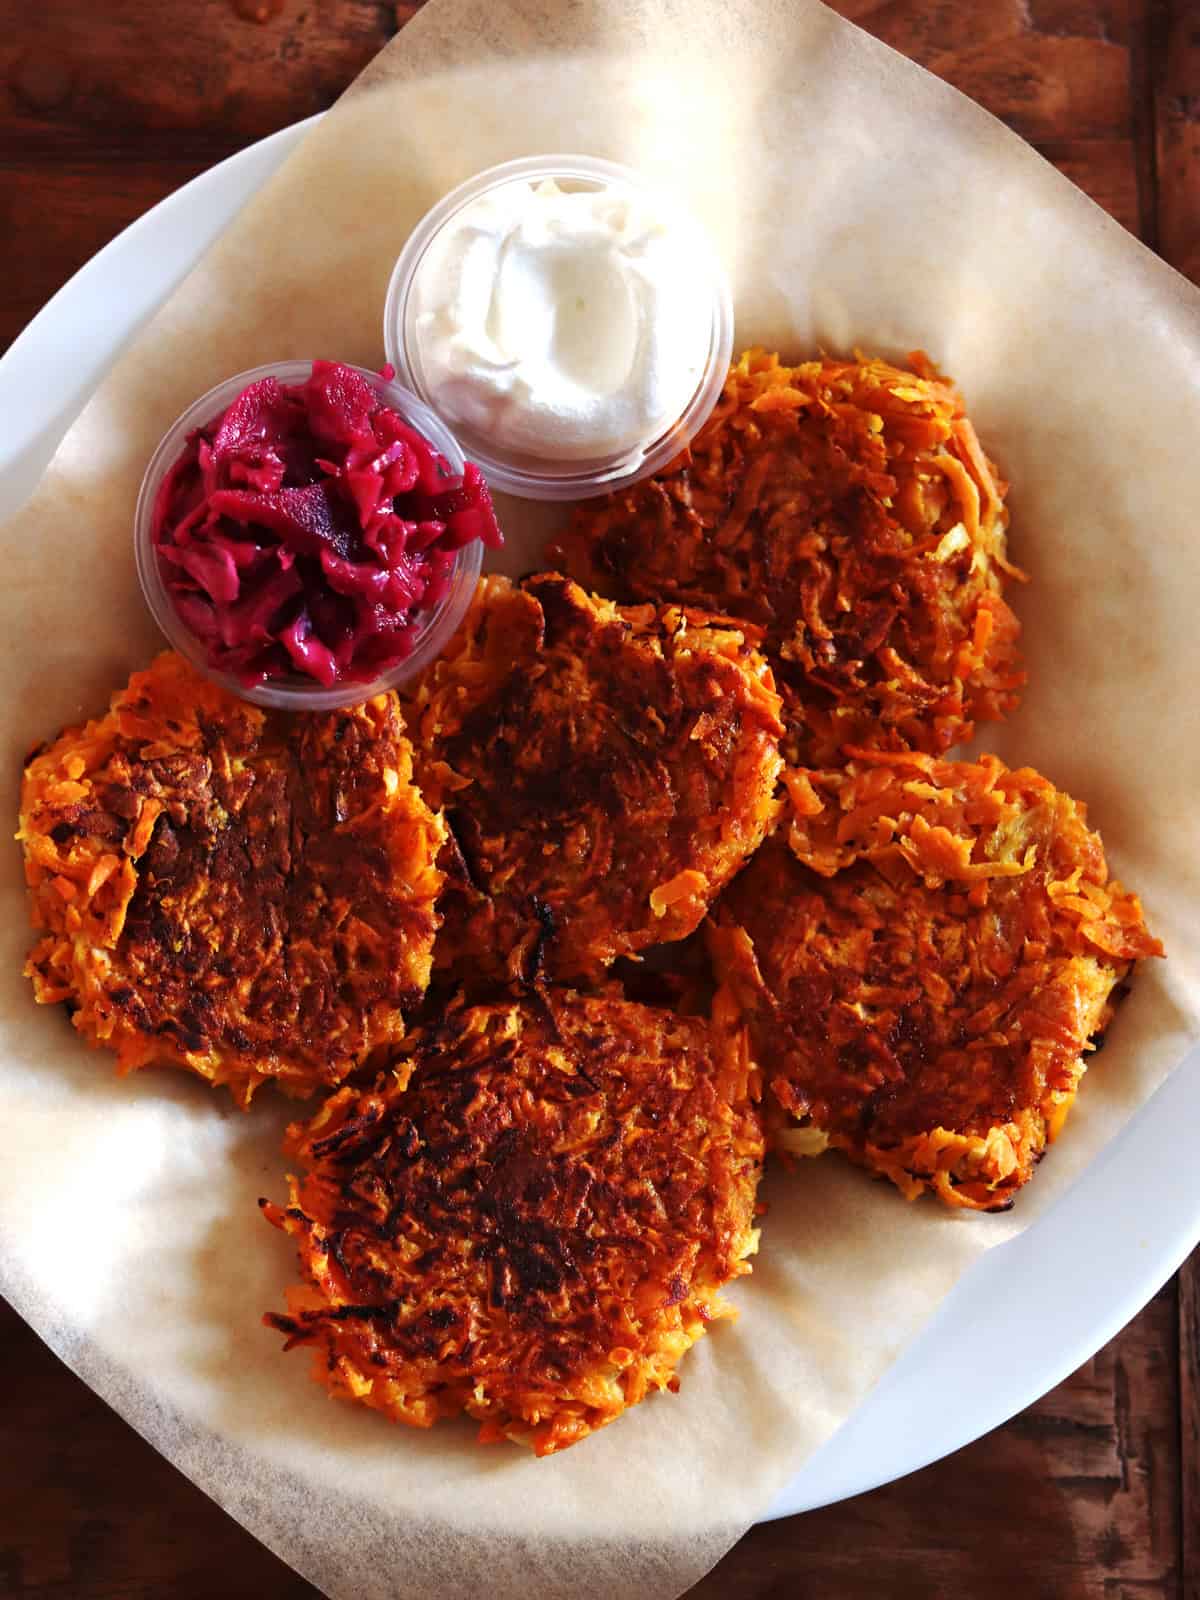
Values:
[(308, 542), (569, 320)]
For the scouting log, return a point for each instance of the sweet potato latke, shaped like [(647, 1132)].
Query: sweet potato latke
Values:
[(604, 771), (217, 888), (530, 1219), (924, 958), (847, 508)]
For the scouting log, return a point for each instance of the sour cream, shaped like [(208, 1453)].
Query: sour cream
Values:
[(561, 326)]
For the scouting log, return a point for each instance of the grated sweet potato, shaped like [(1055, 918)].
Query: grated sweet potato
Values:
[(530, 1219), (847, 509), (240, 893), (927, 952), (604, 773)]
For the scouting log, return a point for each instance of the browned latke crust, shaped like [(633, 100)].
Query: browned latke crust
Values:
[(605, 772), (924, 955), (537, 1227), (847, 509), (241, 893)]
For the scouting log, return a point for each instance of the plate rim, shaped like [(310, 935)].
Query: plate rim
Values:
[(851, 1462)]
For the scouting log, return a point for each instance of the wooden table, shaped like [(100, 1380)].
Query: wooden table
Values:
[(1093, 1492)]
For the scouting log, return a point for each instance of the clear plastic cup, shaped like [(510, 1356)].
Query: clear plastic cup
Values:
[(434, 626), (538, 478)]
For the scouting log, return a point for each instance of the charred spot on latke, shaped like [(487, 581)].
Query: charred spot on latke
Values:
[(530, 1219), (847, 509), (242, 893), (926, 953), (604, 772)]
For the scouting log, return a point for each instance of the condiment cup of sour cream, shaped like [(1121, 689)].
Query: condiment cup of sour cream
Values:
[(570, 322)]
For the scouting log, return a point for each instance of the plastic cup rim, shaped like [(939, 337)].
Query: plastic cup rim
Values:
[(441, 619), (567, 480)]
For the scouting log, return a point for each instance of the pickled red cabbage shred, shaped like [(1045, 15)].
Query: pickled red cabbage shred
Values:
[(306, 531)]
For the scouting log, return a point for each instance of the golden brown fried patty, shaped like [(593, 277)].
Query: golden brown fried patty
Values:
[(846, 508), (537, 1227), (604, 771), (241, 893), (923, 990)]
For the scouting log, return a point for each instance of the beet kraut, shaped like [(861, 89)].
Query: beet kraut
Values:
[(308, 528)]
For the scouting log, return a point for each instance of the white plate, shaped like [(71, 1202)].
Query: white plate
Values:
[(1024, 1316)]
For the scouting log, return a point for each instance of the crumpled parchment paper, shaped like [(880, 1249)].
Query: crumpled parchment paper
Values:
[(856, 201)]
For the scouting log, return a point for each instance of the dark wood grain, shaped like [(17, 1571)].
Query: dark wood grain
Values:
[(1075, 1499), (1177, 154), (90, 1512), (1083, 1489), (1066, 74), (1093, 1492), (105, 108)]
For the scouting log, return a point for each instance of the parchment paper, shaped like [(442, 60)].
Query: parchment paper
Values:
[(856, 201)]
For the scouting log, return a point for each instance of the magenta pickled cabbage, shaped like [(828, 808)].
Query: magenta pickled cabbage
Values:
[(306, 530)]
